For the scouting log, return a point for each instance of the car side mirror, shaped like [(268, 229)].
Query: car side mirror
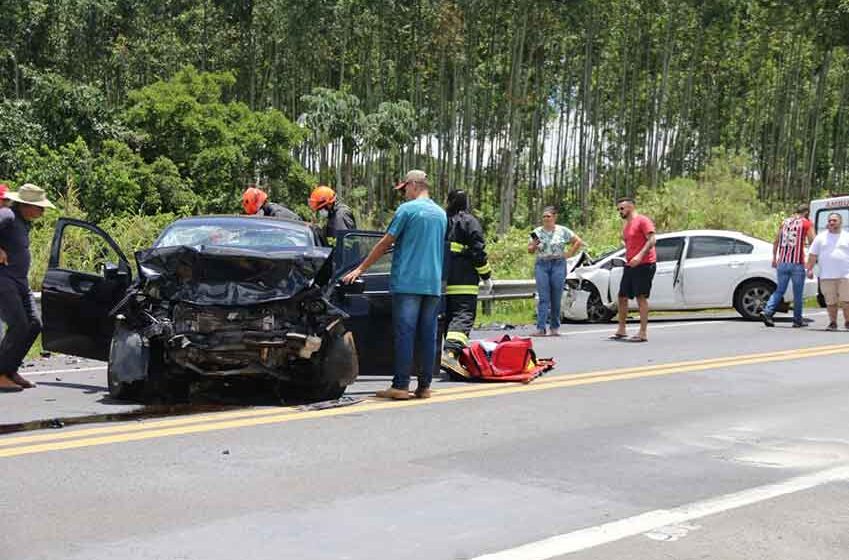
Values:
[(112, 271), (617, 262)]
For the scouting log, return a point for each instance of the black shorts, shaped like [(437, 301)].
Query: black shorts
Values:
[(636, 281)]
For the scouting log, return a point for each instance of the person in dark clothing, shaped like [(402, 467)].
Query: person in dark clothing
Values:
[(255, 203), (466, 265), (338, 216), (17, 305)]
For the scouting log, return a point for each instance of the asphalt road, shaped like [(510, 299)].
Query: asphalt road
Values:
[(716, 439)]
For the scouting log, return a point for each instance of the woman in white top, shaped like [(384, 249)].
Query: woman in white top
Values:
[(552, 244)]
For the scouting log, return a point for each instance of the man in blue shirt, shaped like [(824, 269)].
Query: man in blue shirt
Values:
[(17, 305), (418, 232)]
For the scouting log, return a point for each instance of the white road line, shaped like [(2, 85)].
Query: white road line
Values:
[(52, 371), (632, 526)]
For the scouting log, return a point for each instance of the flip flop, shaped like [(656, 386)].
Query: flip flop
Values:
[(637, 338), (617, 336)]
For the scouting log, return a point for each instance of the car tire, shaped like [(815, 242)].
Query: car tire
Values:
[(596, 311), (336, 367), (751, 297)]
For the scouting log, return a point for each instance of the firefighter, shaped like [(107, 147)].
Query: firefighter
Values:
[(255, 202), (326, 205), (466, 266)]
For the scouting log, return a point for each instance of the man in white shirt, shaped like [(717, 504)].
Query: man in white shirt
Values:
[(831, 250)]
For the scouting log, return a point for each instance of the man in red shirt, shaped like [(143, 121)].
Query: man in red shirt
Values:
[(639, 237), (788, 258)]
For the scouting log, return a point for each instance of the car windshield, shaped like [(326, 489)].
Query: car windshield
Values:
[(240, 233)]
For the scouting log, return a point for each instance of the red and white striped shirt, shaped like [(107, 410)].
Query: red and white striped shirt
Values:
[(791, 240)]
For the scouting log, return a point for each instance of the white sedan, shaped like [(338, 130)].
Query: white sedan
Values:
[(696, 269)]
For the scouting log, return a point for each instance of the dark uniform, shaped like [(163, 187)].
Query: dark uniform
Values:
[(466, 266), (17, 305), (277, 211), (339, 218)]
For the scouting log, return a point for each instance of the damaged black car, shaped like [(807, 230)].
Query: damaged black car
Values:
[(219, 297)]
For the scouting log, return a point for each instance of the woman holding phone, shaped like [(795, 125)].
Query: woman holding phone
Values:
[(552, 244)]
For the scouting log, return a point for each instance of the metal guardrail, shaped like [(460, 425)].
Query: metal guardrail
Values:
[(510, 289)]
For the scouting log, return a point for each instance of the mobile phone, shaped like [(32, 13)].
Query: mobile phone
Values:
[(534, 236)]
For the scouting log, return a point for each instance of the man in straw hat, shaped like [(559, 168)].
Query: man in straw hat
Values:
[(17, 305)]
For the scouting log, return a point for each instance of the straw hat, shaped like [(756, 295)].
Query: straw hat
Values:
[(30, 194)]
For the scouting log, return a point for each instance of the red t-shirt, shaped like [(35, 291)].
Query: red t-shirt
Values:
[(635, 234), (791, 240)]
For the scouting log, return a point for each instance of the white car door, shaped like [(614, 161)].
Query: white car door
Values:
[(711, 269), (666, 288)]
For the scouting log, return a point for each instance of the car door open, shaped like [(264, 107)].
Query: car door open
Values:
[(87, 276), (368, 305)]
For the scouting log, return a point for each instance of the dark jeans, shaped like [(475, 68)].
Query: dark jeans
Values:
[(415, 318), (20, 316), (551, 279), (787, 273)]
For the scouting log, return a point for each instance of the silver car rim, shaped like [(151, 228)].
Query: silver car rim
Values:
[(754, 300)]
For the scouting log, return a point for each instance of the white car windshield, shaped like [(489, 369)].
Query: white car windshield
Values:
[(239, 233)]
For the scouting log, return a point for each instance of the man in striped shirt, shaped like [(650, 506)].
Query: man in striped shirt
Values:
[(788, 258)]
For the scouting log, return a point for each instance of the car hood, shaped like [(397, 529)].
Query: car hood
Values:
[(578, 265), (205, 275)]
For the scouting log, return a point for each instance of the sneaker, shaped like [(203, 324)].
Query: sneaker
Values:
[(831, 327), (423, 393), (554, 332), (394, 394), (767, 319), (538, 333), (799, 325)]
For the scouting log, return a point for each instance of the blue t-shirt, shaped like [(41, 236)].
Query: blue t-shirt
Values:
[(419, 231)]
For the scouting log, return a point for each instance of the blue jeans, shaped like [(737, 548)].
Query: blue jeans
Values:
[(550, 278), (786, 273), (415, 319)]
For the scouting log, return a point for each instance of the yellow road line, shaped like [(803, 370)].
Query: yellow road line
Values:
[(239, 419)]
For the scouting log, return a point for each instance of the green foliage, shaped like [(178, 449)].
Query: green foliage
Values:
[(18, 130), (220, 147)]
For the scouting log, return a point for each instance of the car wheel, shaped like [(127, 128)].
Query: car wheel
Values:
[(751, 297), (596, 311), (330, 373)]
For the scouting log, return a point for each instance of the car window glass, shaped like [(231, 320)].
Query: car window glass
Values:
[(669, 249), (822, 218), (357, 247), (710, 246), (235, 235), (83, 250), (743, 248)]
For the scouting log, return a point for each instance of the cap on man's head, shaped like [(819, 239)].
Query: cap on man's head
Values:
[(30, 194), (413, 176)]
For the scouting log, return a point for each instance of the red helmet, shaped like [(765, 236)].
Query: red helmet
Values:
[(321, 197), (253, 199)]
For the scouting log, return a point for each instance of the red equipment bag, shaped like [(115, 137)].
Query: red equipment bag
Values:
[(504, 359)]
